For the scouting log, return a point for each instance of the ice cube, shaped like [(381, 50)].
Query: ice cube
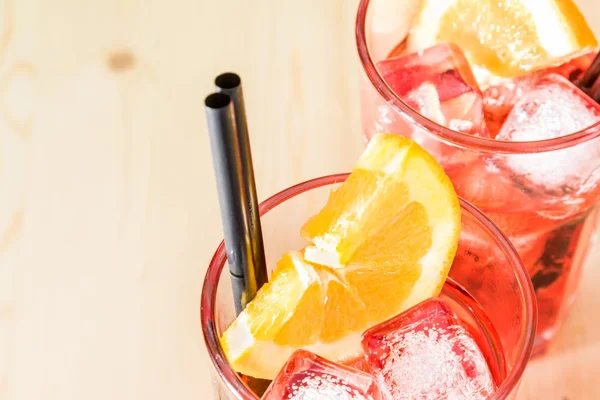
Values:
[(426, 353), (481, 182), (554, 107), (438, 83), (499, 98), (306, 376)]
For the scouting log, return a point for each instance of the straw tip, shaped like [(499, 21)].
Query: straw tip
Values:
[(217, 100), (228, 80)]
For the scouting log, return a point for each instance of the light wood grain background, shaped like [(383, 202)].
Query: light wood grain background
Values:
[(108, 209)]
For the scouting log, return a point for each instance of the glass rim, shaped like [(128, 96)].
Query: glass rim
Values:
[(208, 297), (456, 137)]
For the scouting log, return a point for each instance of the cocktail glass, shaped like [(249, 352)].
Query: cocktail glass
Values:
[(542, 194), (488, 289)]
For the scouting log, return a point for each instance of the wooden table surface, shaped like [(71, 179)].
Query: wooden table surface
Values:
[(108, 208)]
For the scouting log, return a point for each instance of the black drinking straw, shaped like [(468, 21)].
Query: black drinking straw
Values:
[(590, 82), (231, 84), (591, 74), (231, 176)]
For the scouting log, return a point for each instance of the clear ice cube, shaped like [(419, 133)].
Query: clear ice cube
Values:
[(427, 353), (438, 82), (552, 108), (482, 182), (499, 98), (306, 376)]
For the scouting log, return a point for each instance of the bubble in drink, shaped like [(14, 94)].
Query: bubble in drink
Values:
[(438, 83), (553, 107), (427, 353), (307, 376)]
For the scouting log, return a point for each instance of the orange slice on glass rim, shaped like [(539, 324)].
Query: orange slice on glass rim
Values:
[(384, 241)]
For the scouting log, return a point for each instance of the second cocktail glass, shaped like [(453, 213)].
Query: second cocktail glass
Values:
[(542, 194)]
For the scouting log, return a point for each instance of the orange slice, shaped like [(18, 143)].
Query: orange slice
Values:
[(503, 38), (383, 242)]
